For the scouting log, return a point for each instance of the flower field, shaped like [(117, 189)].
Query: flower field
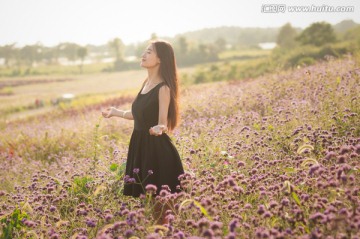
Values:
[(272, 157)]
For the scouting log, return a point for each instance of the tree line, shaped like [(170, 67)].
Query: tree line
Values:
[(188, 53), (190, 48)]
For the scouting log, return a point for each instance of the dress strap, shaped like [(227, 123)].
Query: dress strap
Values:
[(159, 85), (162, 83), (153, 89)]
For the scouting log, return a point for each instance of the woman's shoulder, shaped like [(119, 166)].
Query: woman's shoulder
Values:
[(163, 86), (164, 90)]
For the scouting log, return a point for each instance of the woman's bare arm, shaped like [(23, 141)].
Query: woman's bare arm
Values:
[(164, 102), (112, 111), (128, 115)]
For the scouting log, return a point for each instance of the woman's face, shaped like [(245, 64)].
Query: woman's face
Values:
[(149, 58)]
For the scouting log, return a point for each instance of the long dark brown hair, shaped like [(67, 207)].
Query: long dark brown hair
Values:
[(168, 72)]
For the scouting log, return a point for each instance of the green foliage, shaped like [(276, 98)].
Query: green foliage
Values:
[(306, 61), (345, 25), (117, 48), (318, 34), (81, 186), (190, 54), (197, 204), (121, 170), (309, 54), (236, 36), (352, 34), (286, 37), (12, 223), (114, 167), (296, 198), (82, 53)]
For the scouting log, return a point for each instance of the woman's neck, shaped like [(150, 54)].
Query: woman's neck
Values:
[(153, 75)]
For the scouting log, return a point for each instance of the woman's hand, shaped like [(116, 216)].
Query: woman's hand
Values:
[(158, 130), (109, 112)]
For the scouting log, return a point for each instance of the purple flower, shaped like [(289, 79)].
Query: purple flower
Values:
[(233, 224), (108, 217), (285, 202), (151, 188), (261, 209), (341, 159), (136, 170), (208, 233), (313, 169), (357, 148), (90, 222), (52, 208), (179, 235), (247, 206), (343, 211), (273, 204), (267, 214), (118, 225), (344, 149), (316, 215), (166, 187), (55, 236), (104, 236), (129, 233), (231, 235), (29, 223), (129, 180), (216, 225), (150, 172), (330, 155)]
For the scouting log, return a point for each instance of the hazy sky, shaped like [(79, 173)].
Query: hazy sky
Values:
[(97, 21)]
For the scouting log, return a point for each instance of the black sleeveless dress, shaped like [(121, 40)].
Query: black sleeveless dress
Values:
[(154, 158)]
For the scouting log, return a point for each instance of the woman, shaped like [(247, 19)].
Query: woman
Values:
[(152, 157)]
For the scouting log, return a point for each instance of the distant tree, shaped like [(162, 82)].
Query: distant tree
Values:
[(82, 53), (140, 48), (49, 55), (181, 49), (69, 50), (117, 46), (183, 45), (317, 34), (30, 54), (352, 34), (286, 36), (203, 51), (130, 50), (8, 52), (220, 44), (213, 52), (345, 25), (207, 52)]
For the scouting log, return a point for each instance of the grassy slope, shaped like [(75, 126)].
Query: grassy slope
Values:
[(88, 88), (242, 145)]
